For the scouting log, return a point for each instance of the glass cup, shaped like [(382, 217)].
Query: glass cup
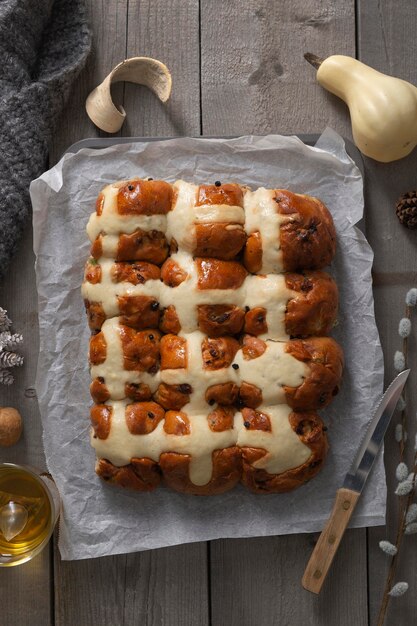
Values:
[(29, 509)]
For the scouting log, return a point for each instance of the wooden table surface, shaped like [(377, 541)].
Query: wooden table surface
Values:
[(237, 68)]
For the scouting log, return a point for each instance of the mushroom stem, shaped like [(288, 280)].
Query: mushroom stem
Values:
[(313, 59)]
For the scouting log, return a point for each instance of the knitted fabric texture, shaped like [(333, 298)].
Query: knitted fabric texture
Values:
[(43, 46)]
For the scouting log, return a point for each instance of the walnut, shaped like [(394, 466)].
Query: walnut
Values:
[(10, 426)]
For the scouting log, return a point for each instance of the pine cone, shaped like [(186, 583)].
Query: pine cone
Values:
[(4, 320), (6, 377), (10, 359), (406, 209), (9, 341)]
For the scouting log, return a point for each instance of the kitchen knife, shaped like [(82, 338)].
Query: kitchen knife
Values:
[(347, 497)]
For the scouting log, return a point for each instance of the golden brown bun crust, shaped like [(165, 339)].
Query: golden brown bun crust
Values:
[(255, 321), (222, 393), (220, 319), (143, 417), (252, 254), (140, 349), (309, 429), (99, 391), (226, 472), (169, 322), (143, 245), (173, 396), (176, 423), (98, 349), (138, 392), (313, 311), (221, 418), (249, 395), (139, 474), (135, 273), (252, 347), (172, 274), (139, 312), (229, 193), (256, 420), (222, 241), (173, 352), (92, 272), (309, 240), (100, 203), (95, 314), (324, 358), (218, 353), (215, 274), (144, 197), (100, 416), (97, 248)]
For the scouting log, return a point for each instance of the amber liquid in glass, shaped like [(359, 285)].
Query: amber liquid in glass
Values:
[(19, 486)]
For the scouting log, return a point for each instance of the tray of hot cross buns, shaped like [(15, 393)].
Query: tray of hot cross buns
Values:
[(209, 354)]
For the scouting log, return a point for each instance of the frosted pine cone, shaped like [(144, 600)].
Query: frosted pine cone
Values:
[(406, 209), (9, 341), (4, 320), (6, 377), (10, 359)]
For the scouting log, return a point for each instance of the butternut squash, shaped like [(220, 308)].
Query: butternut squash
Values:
[(383, 109)]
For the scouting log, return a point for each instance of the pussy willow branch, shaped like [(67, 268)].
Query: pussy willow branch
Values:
[(404, 411), (405, 501)]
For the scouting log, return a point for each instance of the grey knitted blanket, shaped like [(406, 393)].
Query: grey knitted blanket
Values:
[(43, 46)]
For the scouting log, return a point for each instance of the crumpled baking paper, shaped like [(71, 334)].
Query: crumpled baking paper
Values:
[(98, 519)]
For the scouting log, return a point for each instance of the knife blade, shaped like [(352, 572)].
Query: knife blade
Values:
[(368, 451), (348, 495)]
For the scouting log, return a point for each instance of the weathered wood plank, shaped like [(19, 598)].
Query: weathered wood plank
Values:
[(260, 83), (386, 41), (167, 30), (90, 592), (155, 587), (168, 586), (25, 593), (258, 581)]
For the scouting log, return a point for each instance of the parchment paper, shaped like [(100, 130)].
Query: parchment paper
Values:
[(98, 519)]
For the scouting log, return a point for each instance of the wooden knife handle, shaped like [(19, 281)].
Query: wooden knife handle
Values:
[(328, 542)]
